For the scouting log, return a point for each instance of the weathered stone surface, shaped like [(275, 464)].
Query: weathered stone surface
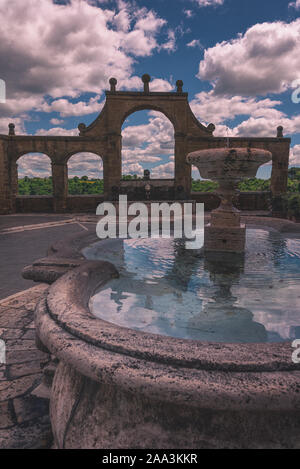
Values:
[(34, 436), (21, 344), (24, 419), (15, 319), (7, 415), (30, 408), (6, 334), (119, 388), (29, 334), (23, 356), (18, 387), (24, 369), (227, 166)]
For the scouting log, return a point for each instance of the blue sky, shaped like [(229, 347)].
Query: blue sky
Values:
[(239, 61)]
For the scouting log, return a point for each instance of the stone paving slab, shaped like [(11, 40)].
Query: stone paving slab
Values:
[(24, 417)]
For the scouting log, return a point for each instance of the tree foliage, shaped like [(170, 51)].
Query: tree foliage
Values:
[(84, 185)]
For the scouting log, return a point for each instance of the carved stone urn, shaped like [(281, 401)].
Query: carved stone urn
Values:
[(227, 166)]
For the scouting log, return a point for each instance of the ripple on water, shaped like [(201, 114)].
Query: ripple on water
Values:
[(167, 290)]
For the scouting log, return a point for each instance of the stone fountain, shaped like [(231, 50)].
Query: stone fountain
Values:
[(227, 166)]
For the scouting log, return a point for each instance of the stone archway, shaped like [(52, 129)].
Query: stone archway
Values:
[(174, 105), (103, 137)]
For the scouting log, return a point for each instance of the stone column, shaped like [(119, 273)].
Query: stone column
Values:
[(112, 166), (279, 178), (5, 191), (182, 169), (60, 187), (14, 183)]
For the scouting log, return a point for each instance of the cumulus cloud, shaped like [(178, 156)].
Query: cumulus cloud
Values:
[(56, 121), (34, 165), (47, 48), (295, 5), (264, 60), (147, 143), (66, 108), (19, 125), (58, 131), (209, 107), (261, 118), (85, 164), (163, 171), (295, 155)]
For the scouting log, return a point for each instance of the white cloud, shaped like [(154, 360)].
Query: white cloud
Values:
[(188, 13), (195, 43), (66, 108), (158, 84), (47, 48), (209, 107), (264, 60), (163, 171), (85, 164), (56, 121), (261, 116), (295, 155), (209, 3), (295, 4), (34, 165), (58, 131), (19, 125), (170, 45), (147, 143)]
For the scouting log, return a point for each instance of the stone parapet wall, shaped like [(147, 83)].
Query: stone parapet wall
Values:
[(250, 201)]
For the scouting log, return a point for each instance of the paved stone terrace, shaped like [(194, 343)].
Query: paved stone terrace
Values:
[(24, 417)]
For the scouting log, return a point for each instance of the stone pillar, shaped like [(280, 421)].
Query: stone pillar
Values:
[(112, 166), (5, 191), (60, 187), (279, 178), (182, 169), (14, 185)]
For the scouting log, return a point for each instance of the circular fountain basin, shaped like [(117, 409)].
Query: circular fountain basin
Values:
[(228, 163), (165, 289), (125, 386)]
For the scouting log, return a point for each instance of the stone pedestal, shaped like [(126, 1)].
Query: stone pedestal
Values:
[(227, 239), (227, 166)]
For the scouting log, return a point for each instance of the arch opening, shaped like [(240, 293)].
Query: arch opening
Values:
[(148, 143), (85, 174), (33, 175)]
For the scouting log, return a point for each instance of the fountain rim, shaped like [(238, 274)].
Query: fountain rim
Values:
[(228, 150), (67, 305)]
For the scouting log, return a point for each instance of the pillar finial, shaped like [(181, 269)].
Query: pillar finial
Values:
[(280, 131), (11, 129), (211, 127), (179, 84), (146, 80), (113, 83), (82, 128)]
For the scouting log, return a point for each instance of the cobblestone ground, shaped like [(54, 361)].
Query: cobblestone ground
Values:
[(24, 417)]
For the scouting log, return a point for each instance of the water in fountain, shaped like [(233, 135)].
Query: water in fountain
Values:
[(167, 290)]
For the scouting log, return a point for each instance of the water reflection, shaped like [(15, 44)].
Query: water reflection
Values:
[(168, 290)]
